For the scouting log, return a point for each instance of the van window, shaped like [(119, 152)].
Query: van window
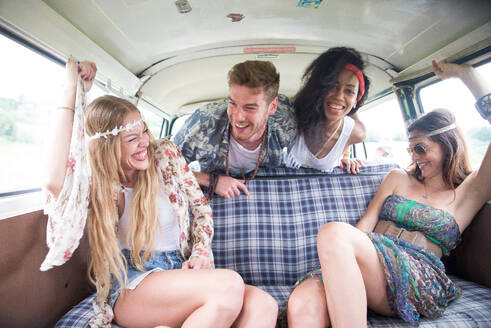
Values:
[(386, 133), (30, 88), (30, 85), (454, 96), (152, 118), (178, 123)]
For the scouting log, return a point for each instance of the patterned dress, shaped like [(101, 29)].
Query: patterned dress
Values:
[(416, 280)]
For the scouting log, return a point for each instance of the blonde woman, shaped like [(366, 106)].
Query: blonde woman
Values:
[(151, 264)]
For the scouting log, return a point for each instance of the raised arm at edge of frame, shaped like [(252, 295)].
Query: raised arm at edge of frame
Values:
[(58, 148), (474, 81)]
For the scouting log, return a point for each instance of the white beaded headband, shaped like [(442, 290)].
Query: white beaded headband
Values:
[(435, 132), (128, 127)]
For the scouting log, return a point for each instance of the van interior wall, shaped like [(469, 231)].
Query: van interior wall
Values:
[(28, 296), (471, 259)]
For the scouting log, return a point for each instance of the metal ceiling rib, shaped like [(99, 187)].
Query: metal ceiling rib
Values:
[(240, 50)]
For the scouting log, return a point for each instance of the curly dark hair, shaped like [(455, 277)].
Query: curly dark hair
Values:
[(318, 79), (456, 165)]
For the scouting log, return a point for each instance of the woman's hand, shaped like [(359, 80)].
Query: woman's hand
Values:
[(446, 70), (352, 164), (87, 71), (196, 264)]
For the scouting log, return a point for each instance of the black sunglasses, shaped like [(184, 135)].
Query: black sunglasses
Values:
[(418, 149)]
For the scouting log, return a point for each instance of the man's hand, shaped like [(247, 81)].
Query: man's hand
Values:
[(196, 264), (229, 187)]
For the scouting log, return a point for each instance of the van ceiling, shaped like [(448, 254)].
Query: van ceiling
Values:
[(182, 58)]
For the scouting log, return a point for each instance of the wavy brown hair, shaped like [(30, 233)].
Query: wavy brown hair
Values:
[(456, 166), (103, 114), (319, 78), (256, 74)]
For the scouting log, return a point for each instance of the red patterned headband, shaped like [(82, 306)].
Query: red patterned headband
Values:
[(359, 75)]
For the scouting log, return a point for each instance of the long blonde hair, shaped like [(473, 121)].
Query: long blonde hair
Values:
[(103, 114)]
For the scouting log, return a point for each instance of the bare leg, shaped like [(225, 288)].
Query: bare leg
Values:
[(259, 310), (182, 298), (352, 273), (307, 305)]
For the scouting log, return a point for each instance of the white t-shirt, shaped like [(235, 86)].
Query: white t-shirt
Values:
[(167, 238), (241, 160), (299, 154)]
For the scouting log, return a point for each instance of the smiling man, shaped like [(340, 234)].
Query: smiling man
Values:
[(246, 131)]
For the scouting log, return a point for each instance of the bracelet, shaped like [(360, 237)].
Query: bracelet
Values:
[(347, 154), (67, 108), (483, 106)]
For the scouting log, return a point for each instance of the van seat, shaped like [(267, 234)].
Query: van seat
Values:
[(269, 237)]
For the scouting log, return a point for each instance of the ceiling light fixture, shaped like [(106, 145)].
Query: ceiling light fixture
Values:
[(235, 17), (183, 6)]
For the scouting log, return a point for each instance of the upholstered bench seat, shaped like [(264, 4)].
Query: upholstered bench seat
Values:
[(472, 309), (269, 237)]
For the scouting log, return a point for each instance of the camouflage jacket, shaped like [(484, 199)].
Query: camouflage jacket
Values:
[(204, 135)]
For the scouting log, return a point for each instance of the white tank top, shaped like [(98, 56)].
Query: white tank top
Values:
[(241, 160), (167, 237), (299, 154)]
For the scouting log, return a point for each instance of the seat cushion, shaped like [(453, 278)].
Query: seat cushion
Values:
[(472, 309)]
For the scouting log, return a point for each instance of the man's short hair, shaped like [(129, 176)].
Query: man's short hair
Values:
[(256, 74)]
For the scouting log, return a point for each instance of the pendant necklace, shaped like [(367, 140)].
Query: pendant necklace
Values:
[(425, 196), (309, 154)]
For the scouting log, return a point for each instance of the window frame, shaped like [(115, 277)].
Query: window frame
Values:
[(432, 78), (40, 51), (30, 199)]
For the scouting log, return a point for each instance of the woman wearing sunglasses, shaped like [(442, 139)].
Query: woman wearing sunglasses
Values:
[(391, 263)]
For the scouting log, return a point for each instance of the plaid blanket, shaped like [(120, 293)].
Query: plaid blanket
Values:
[(269, 237)]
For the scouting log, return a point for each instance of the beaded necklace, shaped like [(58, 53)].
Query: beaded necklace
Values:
[(263, 138)]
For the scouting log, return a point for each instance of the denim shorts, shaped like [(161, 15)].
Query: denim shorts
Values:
[(160, 261)]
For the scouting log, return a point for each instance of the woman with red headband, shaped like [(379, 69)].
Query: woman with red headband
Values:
[(325, 107)]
